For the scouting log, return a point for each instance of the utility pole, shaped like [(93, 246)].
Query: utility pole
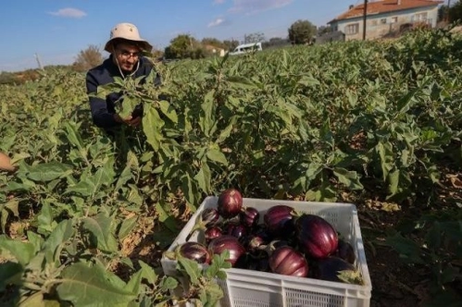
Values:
[(364, 19), (38, 61)]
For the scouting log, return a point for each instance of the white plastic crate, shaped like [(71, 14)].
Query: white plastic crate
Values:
[(246, 288)]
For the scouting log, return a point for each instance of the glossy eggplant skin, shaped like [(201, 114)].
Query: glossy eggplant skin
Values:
[(345, 251), (329, 268), (227, 242), (316, 237), (249, 217), (195, 251), (286, 260), (210, 217), (229, 203), (236, 229), (279, 220), (212, 233)]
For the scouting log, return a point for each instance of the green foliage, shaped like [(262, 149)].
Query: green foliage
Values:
[(365, 118), (184, 46), (88, 58), (302, 32), (455, 12), (254, 38)]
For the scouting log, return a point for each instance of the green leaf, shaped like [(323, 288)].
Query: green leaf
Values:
[(225, 133), (10, 273), (22, 251), (385, 151), (45, 220), (84, 188), (84, 285), (168, 111), (48, 171), (101, 226), (206, 121), (35, 300), (152, 124), (313, 170), (127, 106), (54, 244), (127, 226), (148, 272), (348, 178), (409, 250), (203, 178), (215, 155), (73, 135), (134, 283), (191, 268), (168, 283), (308, 80), (36, 240)]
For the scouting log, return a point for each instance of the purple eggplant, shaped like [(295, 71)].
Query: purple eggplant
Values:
[(316, 237), (249, 217), (212, 233), (227, 242), (207, 218), (329, 269), (286, 260), (229, 203), (345, 251), (195, 251), (279, 220), (236, 229)]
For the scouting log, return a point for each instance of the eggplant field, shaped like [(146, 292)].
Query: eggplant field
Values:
[(85, 217)]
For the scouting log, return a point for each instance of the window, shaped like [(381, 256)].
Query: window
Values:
[(420, 17), (374, 22), (352, 28), (383, 21), (394, 19)]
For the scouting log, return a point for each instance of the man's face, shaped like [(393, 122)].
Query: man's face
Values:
[(127, 55)]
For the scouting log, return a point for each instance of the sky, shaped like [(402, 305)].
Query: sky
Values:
[(54, 31)]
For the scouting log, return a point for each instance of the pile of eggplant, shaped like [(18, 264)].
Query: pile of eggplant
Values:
[(286, 242)]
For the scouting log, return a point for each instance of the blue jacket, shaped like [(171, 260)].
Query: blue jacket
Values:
[(102, 111)]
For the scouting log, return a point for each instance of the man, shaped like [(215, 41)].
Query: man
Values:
[(125, 47)]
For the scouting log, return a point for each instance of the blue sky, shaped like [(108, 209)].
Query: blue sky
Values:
[(57, 30)]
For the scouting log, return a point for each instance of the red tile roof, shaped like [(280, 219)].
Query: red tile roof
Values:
[(385, 6)]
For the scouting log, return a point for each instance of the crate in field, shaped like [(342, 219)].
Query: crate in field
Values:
[(245, 288)]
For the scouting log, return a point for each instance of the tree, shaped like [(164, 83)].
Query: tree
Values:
[(230, 44), (88, 58), (180, 47), (275, 42), (323, 30), (254, 38), (455, 12), (184, 46), (211, 41), (301, 32)]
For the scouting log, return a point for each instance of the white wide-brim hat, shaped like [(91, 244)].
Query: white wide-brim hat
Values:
[(128, 32)]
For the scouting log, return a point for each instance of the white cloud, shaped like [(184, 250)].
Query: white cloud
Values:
[(216, 22), (255, 6), (69, 12)]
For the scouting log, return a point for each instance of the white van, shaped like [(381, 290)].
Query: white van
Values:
[(244, 48)]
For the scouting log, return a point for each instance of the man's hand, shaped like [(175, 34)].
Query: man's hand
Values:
[(132, 122)]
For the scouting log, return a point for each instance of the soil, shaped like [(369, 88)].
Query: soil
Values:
[(394, 283)]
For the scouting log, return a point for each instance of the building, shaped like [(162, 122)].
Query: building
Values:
[(385, 17), (336, 36)]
